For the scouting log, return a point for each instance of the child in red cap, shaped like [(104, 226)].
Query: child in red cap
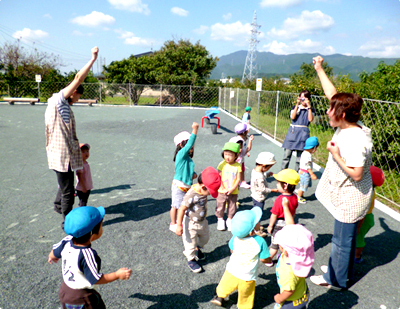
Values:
[(192, 224)]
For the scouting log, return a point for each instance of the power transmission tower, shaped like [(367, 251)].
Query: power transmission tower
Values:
[(250, 66)]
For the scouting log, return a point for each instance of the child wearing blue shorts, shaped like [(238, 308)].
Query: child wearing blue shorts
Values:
[(305, 172)]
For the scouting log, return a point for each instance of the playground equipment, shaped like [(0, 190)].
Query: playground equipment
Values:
[(210, 114)]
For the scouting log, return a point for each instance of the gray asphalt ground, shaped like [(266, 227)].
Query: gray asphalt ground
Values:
[(132, 168)]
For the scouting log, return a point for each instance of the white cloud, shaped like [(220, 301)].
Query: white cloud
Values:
[(307, 23), (380, 28), (29, 34), (385, 48), (94, 19), (227, 16), (130, 39), (81, 34), (300, 46), (131, 5), (179, 11), (279, 3), (48, 16), (201, 30), (233, 32)]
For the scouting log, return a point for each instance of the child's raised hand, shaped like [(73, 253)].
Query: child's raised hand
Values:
[(251, 138), (195, 125), (124, 273)]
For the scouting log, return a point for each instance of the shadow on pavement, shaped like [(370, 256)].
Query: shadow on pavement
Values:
[(179, 301), (334, 300), (110, 189), (138, 210)]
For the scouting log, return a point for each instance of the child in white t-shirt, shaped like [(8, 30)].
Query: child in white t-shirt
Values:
[(305, 172)]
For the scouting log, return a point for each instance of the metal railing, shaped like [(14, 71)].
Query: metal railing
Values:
[(271, 114)]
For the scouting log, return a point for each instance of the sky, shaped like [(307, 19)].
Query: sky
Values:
[(120, 28)]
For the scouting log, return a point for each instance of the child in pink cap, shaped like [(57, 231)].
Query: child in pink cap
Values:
[(297, 246)]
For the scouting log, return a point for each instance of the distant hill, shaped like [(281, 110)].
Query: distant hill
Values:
[(270, 64)]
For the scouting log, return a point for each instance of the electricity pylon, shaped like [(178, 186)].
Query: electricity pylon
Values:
[(250, 67)]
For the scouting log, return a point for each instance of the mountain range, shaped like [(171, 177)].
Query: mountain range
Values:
[(270, 64)]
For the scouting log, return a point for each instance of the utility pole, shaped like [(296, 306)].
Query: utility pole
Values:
[(250, 67)]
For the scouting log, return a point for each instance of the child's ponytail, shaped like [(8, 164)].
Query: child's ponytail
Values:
[(179, 147)]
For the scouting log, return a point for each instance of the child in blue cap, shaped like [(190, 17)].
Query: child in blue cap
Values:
[(247, 249), (80, 263), (306, 163)]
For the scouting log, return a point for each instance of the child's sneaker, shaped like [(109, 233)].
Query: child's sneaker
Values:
[(200, 255), (194, 266), (172, 227), (217, 301), (358, 260), (301, 200), (221, 224), (228, 224), (245, 185)]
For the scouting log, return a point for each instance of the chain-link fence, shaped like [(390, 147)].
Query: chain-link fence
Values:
[(121, 94), (271, 114)]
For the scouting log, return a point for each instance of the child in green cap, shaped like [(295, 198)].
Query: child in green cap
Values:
[(246, 116), (230, 171)]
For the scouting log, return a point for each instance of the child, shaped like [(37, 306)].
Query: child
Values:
[(297, 246), (242, 130), (193, 212), (230, 179), (247, 250), (287, 181), (246, 116), (184, 170), (259, 185), (305, 172), (378, 178), (80, 263), (84, 177)]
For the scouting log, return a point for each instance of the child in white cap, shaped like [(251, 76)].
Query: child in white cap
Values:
[(184, 170), (259, 184), (80, 262), (192, 224), (297, 246), (247, 250)]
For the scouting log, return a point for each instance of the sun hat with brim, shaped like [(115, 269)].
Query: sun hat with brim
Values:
[(378, 178), (180, 137), (211, 180), (266, 158), (248, 109), (84, 144), (236, 139), (287, 176), (243, 222), (231, 146), (241, 128), (298, 241), (82, 220), (311, 142)]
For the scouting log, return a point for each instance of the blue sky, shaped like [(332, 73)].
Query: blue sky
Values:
[(120, 28)]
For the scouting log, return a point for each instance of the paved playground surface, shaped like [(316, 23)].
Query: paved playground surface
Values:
[(131, 162)]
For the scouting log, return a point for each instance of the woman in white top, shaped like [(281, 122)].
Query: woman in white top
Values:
[(345, 188)]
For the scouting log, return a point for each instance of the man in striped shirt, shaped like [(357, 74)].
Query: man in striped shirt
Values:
[(62, 145)]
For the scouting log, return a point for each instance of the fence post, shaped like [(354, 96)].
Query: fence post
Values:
[(248, 94), (276, 113), (101, 86), (8, 86), (190, 95), (230, 100), (219, 97), (38, 90), (160, 95), (237, 101), (258, 108), (130, 93)]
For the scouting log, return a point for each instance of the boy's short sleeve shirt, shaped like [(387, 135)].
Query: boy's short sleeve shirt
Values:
[(196, 204), (229, 174), (80, 265), (246, 117), (288, 281), (305, 160), (245, 257), (277, 208), (259, 186)]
